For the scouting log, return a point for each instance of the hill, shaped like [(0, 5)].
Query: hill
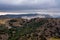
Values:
[(27, 16), (34, 29)]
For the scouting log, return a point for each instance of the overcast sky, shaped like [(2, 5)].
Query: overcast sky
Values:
[(20, 5), (17, 5)]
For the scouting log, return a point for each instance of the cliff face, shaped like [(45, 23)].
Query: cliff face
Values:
[(34, 29)]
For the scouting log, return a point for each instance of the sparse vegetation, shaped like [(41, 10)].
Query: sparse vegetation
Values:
[(34, 29)]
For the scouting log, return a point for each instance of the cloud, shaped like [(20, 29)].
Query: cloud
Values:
[(10, 5), (27, 2)]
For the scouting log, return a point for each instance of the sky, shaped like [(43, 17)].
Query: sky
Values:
[(15, 5), (20, 5)]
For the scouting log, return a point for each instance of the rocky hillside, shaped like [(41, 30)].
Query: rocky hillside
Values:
[(34, 29)]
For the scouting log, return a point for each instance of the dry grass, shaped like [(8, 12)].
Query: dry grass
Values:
[(2, 21), (54, 38)]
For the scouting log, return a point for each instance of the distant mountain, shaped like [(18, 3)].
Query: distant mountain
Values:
[(26, 16)]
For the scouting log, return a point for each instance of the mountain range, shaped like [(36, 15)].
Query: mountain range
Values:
[(29, 16), (26, 16)]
